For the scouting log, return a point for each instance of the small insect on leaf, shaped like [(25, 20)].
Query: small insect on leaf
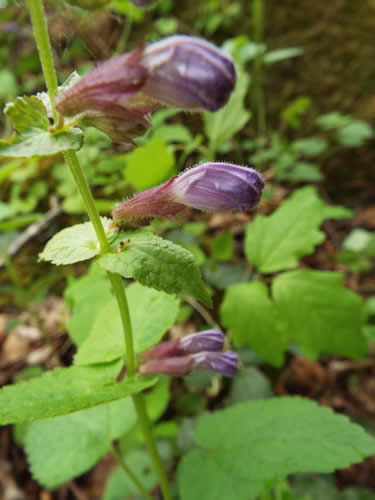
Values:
[(123, 245)]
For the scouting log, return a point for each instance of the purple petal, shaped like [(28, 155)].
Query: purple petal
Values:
[(218, 362), (209, 340), (219, 186), (189, 73)]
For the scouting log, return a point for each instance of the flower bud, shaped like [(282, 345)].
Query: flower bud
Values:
[(210, 187), (176, 367), (188, 72), (218, 362), (113, 82), (209, 340)]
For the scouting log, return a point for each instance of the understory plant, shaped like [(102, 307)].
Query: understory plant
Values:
[(68, 418)]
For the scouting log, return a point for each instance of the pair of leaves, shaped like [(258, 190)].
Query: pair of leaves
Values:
[(248, 447), (152, 261), (32, 135), (310, 308), (276, 242)]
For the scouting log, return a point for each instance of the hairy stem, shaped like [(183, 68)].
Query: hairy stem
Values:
[(40, 30), (45, 53)]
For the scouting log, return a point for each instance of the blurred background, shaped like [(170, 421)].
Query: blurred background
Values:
[(303, 114)]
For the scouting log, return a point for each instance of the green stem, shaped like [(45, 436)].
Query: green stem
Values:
[(121, 462), (45, 53), (119, 291), (38, 20)]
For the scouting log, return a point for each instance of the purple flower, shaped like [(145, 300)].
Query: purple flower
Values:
[(210, 187), (176, 366), (219, 362), (219, 186), (189, 73), (118, 96), (209, 340)]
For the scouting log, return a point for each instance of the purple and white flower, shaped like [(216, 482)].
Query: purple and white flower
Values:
[(211, 187)]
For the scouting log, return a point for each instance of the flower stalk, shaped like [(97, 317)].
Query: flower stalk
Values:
[(45, 53)]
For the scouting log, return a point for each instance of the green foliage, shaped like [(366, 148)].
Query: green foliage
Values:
[(358, 250), (149, 164), (222, 246), (284, 435), (225, 123), (159, 264), (349, 132), (33, 137), (310, 308), (249, 312), (249, 384), (292, 114), (276, 242), (319, 314), (66, 390), (73, 244), (105, 339), (324, 488), (120, 486)]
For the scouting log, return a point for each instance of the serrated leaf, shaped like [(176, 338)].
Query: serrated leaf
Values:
[(276, 242), (32, 136), (251, 315), (73, 443), (66, 390), (151, 314), (159, 264), (73, 244), (319, 314), (88, 435), (225, 123), (266, 441)]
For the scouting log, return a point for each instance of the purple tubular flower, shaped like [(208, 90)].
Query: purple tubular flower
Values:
[(209, 340), (189, 73), (218, 362), (210, 187), (219, 186), (176, 366)]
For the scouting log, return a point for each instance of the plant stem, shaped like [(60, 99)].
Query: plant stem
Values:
[(40, 30), (121, 462), (45, 53)]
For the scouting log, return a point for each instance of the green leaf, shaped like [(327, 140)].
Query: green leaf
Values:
[(319, 314), (310, 147), (73, 443), (65, 390), (276, 242), (244, 448), (86, 296), (119, 486), (159, 264), (149, 165), (106, 339), (249, 384), (225, 123), (282, 54), (355, 133), (88, 435), (73, 244), (252, 317), (222, 246), (32, 137)]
